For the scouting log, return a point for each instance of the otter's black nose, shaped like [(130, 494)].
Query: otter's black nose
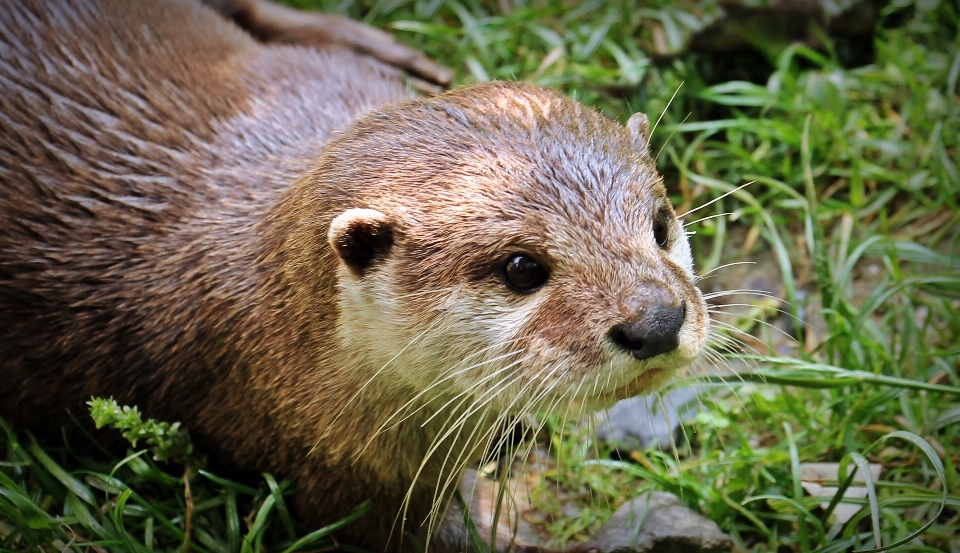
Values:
[(656, 330)]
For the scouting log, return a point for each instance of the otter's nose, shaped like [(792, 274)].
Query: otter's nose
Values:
[(656, 330)]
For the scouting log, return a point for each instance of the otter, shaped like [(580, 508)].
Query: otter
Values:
[(318, 273)]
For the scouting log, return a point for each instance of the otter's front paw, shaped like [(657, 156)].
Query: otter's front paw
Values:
[(273, 23)]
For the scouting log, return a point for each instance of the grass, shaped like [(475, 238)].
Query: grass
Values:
[(854, 198), (135, 505)]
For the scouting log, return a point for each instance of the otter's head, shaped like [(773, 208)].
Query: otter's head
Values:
[(507, 243)]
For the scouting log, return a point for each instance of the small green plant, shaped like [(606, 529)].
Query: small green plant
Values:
[(166, 442)]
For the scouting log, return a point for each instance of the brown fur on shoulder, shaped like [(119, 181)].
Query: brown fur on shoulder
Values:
[(145, 146)]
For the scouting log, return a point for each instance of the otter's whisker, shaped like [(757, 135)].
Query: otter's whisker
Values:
[(717, 199), (760, 322), (492, 430), (479, 401), (461, 460), (708, 217), (708, 274), (465, 392), (501, 421), (734, 333), (437, 382), (367, 383), (656, 158), (665, 108), (724, 293)]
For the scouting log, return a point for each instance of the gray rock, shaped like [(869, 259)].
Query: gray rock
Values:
[(659, 522), (641, 422)]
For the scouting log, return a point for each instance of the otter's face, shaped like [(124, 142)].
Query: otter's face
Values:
[(515, 248)]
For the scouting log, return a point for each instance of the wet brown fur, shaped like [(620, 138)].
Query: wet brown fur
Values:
[(166, 188)]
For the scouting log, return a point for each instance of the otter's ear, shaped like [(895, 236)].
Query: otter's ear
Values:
[(639, 127), (361, 237)]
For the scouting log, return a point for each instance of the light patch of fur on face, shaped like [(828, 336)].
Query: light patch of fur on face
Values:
[(437, 338), (679, 251)]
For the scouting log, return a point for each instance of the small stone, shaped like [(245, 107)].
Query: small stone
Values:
[(659, 522), (645, 421)]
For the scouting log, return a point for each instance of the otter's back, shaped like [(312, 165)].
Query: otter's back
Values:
[(131, 134)]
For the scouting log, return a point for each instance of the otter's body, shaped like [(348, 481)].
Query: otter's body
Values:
[(183, 228)]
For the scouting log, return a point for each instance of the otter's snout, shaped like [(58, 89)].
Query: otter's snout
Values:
[(655, 330)]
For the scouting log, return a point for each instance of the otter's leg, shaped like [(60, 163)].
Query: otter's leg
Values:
[(270, 22)]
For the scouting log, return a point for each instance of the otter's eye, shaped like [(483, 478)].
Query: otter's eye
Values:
[(523, 274), (661, 228)]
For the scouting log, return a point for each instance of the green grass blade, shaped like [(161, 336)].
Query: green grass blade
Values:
[(358, 512), (282, 511), (76, 486), (863, 465), (253, 538), (233, 521), (30, 513), (229, 484), (797, 488), (934, 459), (131, 543), (87, 520)]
